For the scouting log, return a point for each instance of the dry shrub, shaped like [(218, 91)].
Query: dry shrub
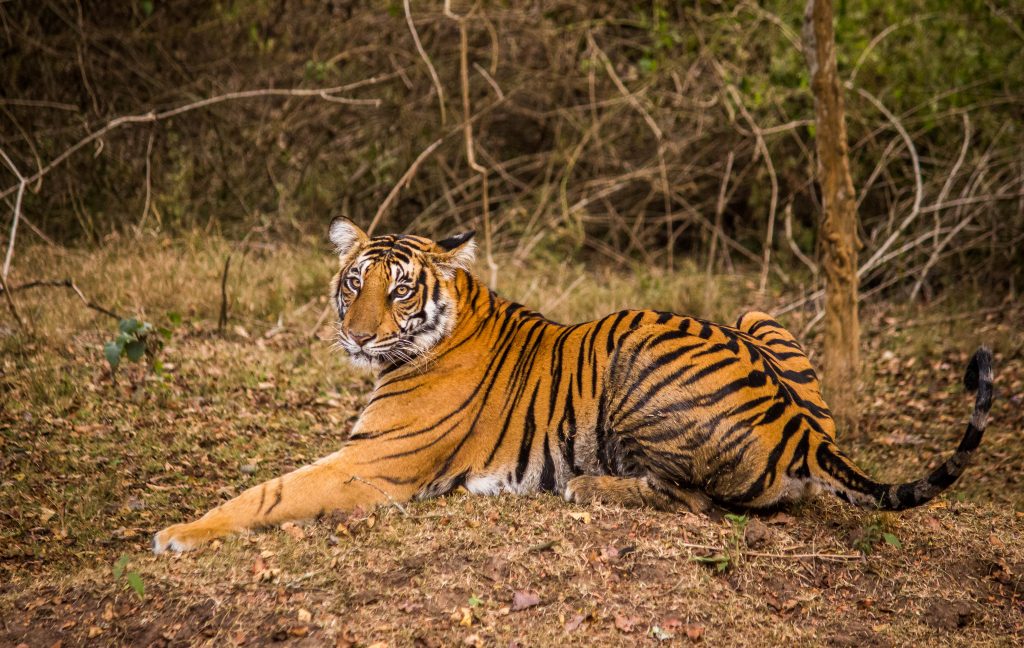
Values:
[(624, 129)]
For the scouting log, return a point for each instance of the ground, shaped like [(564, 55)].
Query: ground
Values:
[(91, 464)]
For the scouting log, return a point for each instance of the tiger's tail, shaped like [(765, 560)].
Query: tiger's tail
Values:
[(840, 475)]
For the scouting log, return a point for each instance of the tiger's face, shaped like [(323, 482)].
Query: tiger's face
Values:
[(394, 293)]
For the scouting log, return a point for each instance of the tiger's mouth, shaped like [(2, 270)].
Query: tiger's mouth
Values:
[(394, 350)]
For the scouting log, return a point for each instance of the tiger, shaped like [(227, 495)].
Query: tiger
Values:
[(639, 408)]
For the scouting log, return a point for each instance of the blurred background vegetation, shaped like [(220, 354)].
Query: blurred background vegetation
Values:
[(619, 131)]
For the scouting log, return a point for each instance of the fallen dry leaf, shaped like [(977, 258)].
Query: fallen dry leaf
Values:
[(523, 599), (572, 624), (781, 518), (693, 631), (626, 624), (304, 615), (580, 516), (294, 530)]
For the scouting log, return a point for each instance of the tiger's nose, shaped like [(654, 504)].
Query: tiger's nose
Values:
[(361, 338)]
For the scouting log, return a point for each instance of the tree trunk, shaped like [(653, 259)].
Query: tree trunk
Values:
[(837, 232)]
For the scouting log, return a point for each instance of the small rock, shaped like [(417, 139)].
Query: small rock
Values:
[(523, 600), (248, 469), (949, 615), (756, 533)]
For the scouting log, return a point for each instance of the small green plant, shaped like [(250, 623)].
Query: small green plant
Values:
[(137, 339), (720, 562), (733, 553), (872, 533), (132, 578)]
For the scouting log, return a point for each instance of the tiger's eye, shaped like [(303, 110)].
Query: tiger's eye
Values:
[(354, 283), (402, 291)]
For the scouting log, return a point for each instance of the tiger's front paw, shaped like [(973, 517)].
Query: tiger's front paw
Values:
[(182, 537)]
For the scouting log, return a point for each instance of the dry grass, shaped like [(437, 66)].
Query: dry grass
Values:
[(89, 468)]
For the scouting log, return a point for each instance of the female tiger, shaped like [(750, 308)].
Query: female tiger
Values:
[(637, 408)]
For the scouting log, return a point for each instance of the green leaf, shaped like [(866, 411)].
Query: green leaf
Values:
[(135, 581), (120, 565), (112, 351), (474, 601), (165, 332), (135, 350), (719, 561), (890, 539), (128, 325), (174, 318)]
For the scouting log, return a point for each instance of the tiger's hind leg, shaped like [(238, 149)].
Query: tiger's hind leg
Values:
[(635, 491)]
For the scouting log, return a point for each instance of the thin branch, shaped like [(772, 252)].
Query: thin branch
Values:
[(797, 252), (70, 284), (761, 554), (720, 211), (383, 492), (490, 80), (629, 96), (153, 116), (878, 39), (149, 183), (404, 180), (915, 210), (319, 321), (773, 202), (15, 216), (467, 117), (11, 306), (222, 319), (426, 59)]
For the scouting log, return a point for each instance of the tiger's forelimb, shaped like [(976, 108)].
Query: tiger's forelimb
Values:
[(333, 483)]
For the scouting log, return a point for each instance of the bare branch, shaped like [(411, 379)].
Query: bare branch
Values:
[(15, 216), (11, 306), (154, 116), (70, 284), (915, 210), (426, 59)]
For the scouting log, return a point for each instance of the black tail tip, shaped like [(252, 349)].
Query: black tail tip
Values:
[(978, 369)]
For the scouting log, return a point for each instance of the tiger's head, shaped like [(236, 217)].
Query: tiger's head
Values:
[(395, 293)]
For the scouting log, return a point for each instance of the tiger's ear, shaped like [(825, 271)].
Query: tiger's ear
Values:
[(346, 236), (455, 252)]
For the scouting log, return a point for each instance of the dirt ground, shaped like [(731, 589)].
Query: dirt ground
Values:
[(90, 467)]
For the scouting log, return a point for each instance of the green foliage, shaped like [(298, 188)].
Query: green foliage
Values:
[(132, 578), (720, 562), (137, 339), (873, 533), (733, 554)]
